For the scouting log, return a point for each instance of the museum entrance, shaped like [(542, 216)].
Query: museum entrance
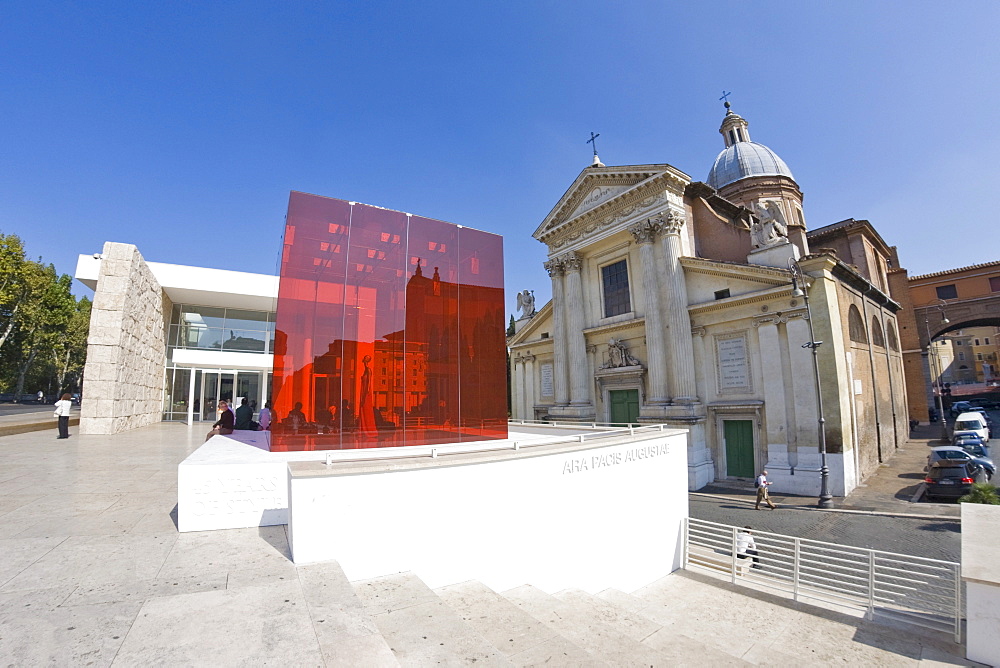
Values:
[(193, 395)]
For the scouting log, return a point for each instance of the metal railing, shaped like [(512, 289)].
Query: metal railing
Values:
[(917, 590)]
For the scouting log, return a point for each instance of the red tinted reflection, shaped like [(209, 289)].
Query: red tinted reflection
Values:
[(389, 330)]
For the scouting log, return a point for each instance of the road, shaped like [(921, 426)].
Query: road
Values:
[(935, 539)]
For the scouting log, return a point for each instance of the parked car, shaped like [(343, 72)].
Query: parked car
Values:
[(971, 423), (967, 440), (956, 453), (986, 416), (952, 479), (959, 407)]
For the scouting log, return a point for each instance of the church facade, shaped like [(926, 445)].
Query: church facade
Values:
[(681, 302)]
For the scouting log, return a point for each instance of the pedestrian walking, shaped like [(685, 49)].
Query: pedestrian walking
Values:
[(746, 547), (762, 484), (63, 407)]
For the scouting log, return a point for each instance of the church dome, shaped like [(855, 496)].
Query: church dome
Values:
[(743, 159)]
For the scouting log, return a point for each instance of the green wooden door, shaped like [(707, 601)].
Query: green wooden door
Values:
[(624, 406), (739, 448)]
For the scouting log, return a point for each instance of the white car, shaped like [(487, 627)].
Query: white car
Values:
[(971, 423)]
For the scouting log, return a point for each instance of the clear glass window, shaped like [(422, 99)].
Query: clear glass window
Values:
[(616, 293)]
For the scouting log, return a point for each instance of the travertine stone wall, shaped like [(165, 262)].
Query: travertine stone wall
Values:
[(123, 377)]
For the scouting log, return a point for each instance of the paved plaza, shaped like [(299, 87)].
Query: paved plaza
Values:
[(93, 572)]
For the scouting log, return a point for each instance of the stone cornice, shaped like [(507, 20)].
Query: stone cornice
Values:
[(748, 272), (656, 181), (741, 300), (615, 326), (779, 317)]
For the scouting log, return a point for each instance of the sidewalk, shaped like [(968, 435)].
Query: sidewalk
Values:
[(13, 420), (889, 491)]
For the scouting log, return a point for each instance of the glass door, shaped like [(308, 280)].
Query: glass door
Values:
[(248, 385), (209, 395), (214, 387)]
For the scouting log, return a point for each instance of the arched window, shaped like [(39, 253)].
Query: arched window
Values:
[(890, 334), (877, 337), (856, 326)]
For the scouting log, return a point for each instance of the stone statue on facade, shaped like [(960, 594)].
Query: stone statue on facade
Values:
[(526, 303), (619, 356), (769, 228)]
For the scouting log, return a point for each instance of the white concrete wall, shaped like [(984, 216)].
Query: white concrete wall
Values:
[(981, 575), (126, 347), (594, 518)]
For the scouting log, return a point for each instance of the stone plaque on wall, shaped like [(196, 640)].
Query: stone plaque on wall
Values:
[(733, 363), (547, 389)]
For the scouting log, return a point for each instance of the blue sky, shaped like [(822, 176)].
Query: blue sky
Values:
[(182, 126)]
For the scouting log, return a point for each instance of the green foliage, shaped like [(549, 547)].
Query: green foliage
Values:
[(982, 492), (43, 328), (510, 327)]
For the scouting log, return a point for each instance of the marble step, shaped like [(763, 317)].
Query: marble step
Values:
[(347, 634), (522, 638), (731, 620), (670, 639), (578, 622), (420, 628)]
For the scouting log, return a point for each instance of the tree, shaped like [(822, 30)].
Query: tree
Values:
[(43, 328), (982, 492), (12, 291)]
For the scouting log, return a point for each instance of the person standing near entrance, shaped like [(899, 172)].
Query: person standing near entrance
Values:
[(63, 407), (762, 484)]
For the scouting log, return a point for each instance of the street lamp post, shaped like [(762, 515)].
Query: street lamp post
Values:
[(936, 382), (825, 498)]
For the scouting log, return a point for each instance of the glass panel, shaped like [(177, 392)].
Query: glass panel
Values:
[(373, 322), (482, 345), (210, 396), (242, 340), (429, 368), (616, 295), (310, 303), (368, 345), (248, 388)]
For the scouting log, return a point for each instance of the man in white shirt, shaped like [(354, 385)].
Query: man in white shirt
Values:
[(762, 495), (746, 547)]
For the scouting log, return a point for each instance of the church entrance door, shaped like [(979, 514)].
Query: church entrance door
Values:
[(624, 406), (739, 448)]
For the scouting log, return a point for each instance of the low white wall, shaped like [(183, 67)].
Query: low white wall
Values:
[(592, 518), (233, 482), (981, 575), (228, 484)]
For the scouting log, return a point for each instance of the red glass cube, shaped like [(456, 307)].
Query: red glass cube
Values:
[(389, 331)]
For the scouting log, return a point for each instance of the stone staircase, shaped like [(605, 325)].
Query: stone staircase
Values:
[(682, 619)]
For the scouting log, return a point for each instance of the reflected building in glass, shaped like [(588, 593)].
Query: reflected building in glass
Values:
[(389, 330)]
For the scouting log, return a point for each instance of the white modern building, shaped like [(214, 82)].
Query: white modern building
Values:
[(167, 342)]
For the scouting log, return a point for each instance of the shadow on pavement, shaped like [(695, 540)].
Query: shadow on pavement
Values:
[(953, 527)]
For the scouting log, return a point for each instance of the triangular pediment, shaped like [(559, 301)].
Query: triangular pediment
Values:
[(596, 187)]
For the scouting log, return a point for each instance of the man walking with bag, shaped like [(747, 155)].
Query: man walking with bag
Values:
[(762, 495)]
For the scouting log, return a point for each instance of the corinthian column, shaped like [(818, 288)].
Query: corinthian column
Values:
[(656, 344), (579, 370), (560, 372), (685, 387)]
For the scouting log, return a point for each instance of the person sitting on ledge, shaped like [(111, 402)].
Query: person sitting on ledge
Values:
[(244, 417), (226, 421)]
